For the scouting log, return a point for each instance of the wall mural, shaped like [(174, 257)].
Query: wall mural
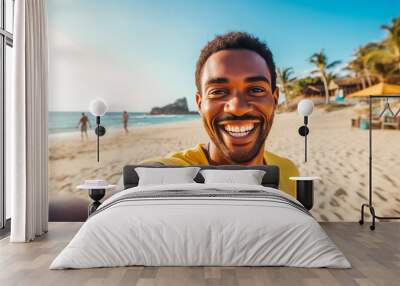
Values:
[(178, 95)]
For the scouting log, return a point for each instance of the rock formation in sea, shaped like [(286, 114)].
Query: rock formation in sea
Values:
[(180, 106)]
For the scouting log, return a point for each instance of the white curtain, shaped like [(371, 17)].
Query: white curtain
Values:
[(28, 119)]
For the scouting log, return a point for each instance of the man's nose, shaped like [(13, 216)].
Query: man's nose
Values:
[(237, 105)]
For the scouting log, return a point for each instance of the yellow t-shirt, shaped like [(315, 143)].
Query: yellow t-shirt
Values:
[(196, 156)]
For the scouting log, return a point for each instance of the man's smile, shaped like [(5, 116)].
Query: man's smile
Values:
[(239, 132)]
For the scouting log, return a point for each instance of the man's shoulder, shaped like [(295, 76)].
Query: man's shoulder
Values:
[(191, 156), (280, 161)]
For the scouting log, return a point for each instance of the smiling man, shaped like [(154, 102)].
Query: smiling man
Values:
[(236, 98)]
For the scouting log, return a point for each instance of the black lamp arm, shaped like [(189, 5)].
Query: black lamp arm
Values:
[(98, 138), (100, 131), (303, 131)]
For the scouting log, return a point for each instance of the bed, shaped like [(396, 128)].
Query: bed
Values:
[(198, 224)]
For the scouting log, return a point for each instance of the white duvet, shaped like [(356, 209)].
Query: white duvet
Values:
[(204, 231)]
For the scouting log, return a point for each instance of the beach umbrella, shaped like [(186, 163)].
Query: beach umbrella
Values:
[(380, 90), (377, 90)]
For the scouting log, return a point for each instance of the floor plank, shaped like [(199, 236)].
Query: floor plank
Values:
[(375, 257)]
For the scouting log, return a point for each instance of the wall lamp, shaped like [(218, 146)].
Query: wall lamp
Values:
[(305, 107), (98, 108)]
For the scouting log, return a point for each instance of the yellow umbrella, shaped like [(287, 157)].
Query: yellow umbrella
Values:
[(377, 89)]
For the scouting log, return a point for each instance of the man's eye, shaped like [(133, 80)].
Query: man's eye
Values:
[(217, 92), (256, 90)]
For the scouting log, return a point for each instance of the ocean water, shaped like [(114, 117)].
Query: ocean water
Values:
[(64, 122)]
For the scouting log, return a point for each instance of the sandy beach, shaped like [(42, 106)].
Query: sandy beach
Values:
[(337, 153)]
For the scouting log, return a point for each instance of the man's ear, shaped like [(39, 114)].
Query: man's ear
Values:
[(198, 101), (276, 95)]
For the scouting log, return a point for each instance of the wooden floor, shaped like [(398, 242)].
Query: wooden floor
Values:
[(375, 257)]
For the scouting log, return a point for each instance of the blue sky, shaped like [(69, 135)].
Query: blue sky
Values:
[(138, 54)]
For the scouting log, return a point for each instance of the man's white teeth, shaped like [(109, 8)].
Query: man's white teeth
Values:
[(237, 131), (238, 134)]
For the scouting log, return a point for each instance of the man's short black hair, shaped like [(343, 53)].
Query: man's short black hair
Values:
[(236, 41)]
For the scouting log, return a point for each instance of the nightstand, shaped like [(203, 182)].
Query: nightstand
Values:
[(305, 190), (96, 193)]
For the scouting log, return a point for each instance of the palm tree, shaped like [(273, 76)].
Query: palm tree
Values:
[(378, 61), (362, 63), (356, 66), (383, 71), (363, 56), (320, 60), (330, 77), (285, 80), (393, 40)]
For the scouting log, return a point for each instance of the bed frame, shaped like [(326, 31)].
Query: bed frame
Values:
[(270, 179)]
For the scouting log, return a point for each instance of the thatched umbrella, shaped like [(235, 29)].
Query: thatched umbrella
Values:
[(380, 89), (377, 89)]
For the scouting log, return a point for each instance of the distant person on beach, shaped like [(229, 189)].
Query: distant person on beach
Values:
[(236, 96), (84, 123), (125, 118)]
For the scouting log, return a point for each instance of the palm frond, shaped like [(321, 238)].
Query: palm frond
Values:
[(285, 75), (333, 64), (386, 28)]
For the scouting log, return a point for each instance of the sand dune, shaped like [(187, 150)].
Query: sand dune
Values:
[(337, 153)]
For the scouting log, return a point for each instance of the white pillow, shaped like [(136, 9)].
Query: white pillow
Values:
[(163, 176), (248, 177)]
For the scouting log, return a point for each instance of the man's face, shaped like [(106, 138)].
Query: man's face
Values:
[(236, 103)]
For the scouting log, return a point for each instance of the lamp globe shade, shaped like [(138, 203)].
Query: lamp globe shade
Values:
[(305, 107), (98, 107)]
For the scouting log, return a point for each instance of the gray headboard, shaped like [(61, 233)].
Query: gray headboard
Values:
[(270, 179)]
